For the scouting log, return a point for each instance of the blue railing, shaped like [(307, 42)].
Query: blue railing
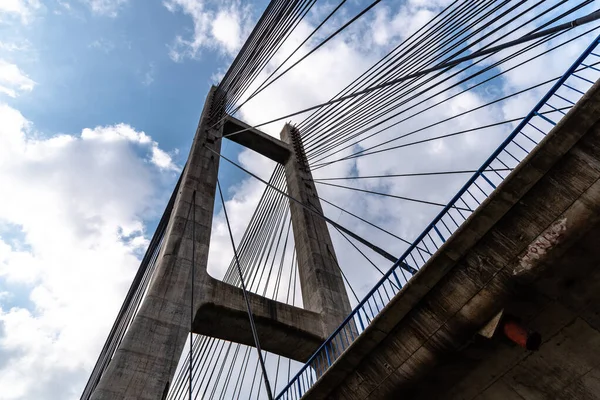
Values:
[(531, 130)]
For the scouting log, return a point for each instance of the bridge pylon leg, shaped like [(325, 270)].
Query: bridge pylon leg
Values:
[(323, 288), (145, 361)]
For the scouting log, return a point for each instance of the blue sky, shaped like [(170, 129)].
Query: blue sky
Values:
[(90, 92), (99, 101), (93, 69)]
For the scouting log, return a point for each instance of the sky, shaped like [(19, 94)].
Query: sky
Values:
[(99, 101)]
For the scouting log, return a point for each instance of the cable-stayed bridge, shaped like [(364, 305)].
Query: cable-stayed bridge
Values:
[(492, 294)]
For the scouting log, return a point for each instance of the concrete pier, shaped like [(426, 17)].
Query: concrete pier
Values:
[(323, 289), (145, 362)]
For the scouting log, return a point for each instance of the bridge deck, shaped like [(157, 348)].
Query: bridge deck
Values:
[(531, 249)]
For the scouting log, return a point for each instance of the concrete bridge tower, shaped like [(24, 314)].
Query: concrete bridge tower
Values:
[(145, 361)]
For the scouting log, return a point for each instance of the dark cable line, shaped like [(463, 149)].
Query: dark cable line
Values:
[(364, 220), (279, 274), (291, 54), (406, 175), (260, 253), (406, 68), (245, 62), (343, 276), (334, 34), (561, 16), (379, 68), (268, 249), (364, 153), (548, 32), (230, 372), (431, 203), (258, 225), (393, 99), (285, 218), (214, 389), (284, 32), (250, 317), (441, 91), (563, 27), (449, 118), (364, 255), (373, 247)]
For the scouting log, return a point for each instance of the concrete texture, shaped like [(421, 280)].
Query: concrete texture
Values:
[(282, 329), (323, 288), (531, 249), (256, 140), (145, 362)]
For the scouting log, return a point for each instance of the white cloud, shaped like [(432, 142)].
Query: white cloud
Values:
[(81, 203), (148, 77), (82, 200), (13, 81), (21, 9), (108, 8), (19, 46), (125, 133), (223, 28), (103, 45), (226, 30), (64, 4)]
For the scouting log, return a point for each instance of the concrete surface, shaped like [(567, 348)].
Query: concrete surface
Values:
[(322, 286), (533, 249), (256, 140), (145, 362), (282, 329)]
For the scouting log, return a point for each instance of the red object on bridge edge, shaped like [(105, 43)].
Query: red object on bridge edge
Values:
[(520, 335)]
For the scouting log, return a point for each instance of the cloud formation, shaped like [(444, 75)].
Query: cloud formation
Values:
[(79, 205), (223, 27), (108, 8), (22, 10), (13, 81)]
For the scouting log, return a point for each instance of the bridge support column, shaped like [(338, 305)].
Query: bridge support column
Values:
[(323, 288), (145, 361)]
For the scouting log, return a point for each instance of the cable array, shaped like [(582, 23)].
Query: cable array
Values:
[(330, 130), (132, 300), (400, 103), (264, 261), (468, 46), (272, 29)]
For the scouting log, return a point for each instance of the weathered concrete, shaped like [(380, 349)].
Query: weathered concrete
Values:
[(532, 249), (147, 358), (323, 288), (283, 329), (145, 361), (256, 140)]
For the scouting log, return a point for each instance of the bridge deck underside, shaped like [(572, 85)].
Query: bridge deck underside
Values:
[(532, 249), (564, 305)]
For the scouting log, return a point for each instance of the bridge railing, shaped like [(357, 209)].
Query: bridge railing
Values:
[(565, 92)]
